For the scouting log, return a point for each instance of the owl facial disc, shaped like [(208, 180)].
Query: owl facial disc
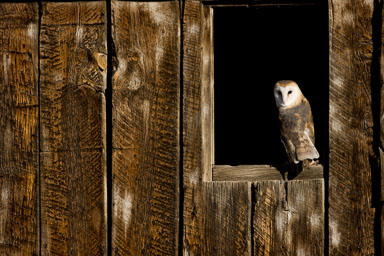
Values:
[(287, 94)]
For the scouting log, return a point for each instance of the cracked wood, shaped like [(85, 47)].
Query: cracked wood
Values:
[(289, 218), (145, 157), (72, 111)]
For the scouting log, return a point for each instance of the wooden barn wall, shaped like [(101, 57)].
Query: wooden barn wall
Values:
[(379, 91), (351, 212), (53, 151), (145, 139), (235, 217), (73, 49), (217, 215), (19, 129)]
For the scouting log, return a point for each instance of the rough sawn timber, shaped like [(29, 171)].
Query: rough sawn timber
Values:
[(145, 138), (225, 220), (72, 113), (261, 172), (216, 214), (19, 140), (351, 216), (289, 217)]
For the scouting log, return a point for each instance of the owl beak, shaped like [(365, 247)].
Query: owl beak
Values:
[(284, 100)]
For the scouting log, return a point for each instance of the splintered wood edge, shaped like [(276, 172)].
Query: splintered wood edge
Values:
[(261, 173)]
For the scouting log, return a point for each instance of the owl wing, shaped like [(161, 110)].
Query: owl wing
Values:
[(290, 150), (305, 148), (297, 133)]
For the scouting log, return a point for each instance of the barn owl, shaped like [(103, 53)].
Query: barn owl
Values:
[(297, 130)]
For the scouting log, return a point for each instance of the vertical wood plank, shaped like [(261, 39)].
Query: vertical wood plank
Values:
[(270, 218), (306, 218), (19, 141), (192, 127), (382, 229), (216, 214), (145, 160), (289, 218), (381, 174), (207, 93), (351, 216), (379, 33), (225, 220), (72, 113)]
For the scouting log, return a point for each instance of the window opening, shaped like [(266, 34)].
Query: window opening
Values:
[(254, 47)]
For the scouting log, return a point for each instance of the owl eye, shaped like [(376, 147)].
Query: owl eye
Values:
[(289, 92)]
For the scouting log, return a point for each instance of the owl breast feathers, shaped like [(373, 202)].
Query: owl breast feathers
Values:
[(297, 129)]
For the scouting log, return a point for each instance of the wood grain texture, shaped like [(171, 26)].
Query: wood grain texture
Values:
[(73, 205), (216, 214), (19, 140), (225, 220), (73, 79), (351, 216), (382, 229), (381, 174), (207, 93), (146, 100), (378, 30), (206, 203), (261, 3), (192, 127), (260, 173), (289, 218), (72, 113)]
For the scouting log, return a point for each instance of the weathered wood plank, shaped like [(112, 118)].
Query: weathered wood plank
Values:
[(192, 102), (207, 93), (260, 173), (216, 214), (192, 127), (224, 220), (379, 31), (73, 203), (289, 218), (206, 204), (382, 229), (381, 174), (351, 216), (19, 140), (146, 99), (73, 76), (72, 112), (262, 2)]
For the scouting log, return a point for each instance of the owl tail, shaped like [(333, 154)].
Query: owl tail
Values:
[(306, 150)]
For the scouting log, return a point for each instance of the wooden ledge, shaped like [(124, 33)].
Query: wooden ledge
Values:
[(262, 172)]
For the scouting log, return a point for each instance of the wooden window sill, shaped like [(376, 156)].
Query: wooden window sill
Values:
[(261, 173)]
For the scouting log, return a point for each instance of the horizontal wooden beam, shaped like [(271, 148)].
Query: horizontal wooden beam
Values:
[(261, 173), (262, 3)]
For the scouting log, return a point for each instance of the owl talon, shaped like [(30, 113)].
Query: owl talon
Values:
[(313, 162)]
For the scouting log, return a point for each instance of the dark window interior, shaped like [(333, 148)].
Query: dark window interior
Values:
[(254, 48)]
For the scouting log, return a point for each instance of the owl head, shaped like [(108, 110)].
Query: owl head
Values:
[(287, 94)]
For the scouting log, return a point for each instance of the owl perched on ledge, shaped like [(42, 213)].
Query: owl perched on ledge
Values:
[(297, 130)]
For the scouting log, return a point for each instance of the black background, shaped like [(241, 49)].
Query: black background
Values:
[(253, 49)]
